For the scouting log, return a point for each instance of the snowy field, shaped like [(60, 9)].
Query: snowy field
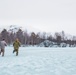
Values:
[(39, 61)]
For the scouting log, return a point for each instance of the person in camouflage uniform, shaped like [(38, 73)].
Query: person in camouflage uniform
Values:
[(16, 46)]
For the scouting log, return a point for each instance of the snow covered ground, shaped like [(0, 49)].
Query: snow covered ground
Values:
[(39, 61)]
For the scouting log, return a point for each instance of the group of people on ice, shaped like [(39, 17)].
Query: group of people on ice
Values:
[(3, 43)]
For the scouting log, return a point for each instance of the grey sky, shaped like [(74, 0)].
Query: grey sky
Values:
[(46, 15)]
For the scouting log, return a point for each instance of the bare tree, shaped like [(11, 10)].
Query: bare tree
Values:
[(32, 38), (58, 38), (4, 34), (19, 35)]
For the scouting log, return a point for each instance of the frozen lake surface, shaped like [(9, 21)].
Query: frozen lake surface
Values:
[(39, 61)]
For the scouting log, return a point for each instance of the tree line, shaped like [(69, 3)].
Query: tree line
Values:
[(33, 38)]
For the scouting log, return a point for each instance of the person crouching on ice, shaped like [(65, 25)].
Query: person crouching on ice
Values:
[(2, 46), (16, 46)]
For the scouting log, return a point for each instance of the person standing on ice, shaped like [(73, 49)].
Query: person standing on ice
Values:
[(16, 46), (2, 46)]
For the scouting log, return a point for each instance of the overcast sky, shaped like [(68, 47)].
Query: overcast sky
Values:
[(45, 15)]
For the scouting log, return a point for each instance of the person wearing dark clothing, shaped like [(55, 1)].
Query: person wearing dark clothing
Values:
[(16, 46)]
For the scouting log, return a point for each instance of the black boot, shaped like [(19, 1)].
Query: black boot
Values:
[(17, 53), (13, 51)]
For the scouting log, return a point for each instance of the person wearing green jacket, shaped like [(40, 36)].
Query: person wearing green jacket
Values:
[(16, 46)]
